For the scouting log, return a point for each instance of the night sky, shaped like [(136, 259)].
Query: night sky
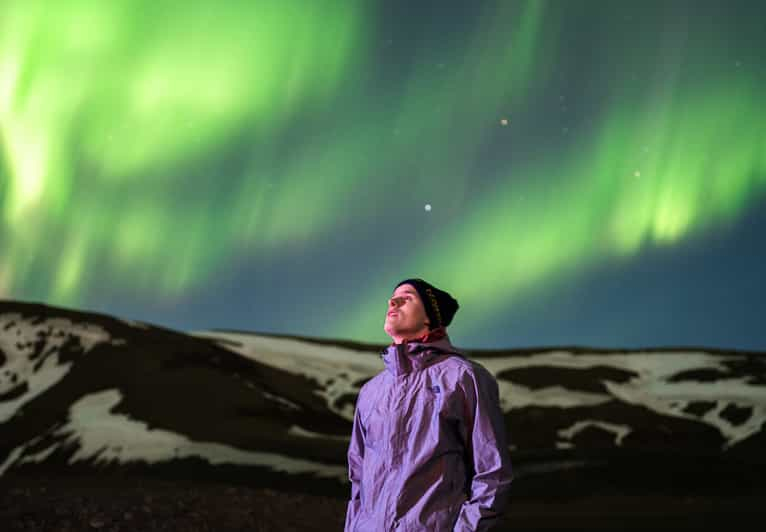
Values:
[(573, 172)]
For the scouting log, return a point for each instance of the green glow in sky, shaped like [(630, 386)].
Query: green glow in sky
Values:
[(151, 144), (107, 108), (638, 182)]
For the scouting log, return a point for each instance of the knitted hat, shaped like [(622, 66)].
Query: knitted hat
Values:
[(439, 305)]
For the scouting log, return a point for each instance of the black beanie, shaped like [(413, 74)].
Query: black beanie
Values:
[(440, 306)]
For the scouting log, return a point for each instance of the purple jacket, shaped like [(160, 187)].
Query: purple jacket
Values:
[(428, 448)]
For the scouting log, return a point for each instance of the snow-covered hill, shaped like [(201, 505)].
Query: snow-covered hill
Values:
[(626, 395), (83, 391)]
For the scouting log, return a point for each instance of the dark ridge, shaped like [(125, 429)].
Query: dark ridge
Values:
[(736, 415), (42, 311), (345, 399), (699, 408), (754, 368), (361, 382), (16, 391), (587, 380), (540, 427), (348, 344), (37, 309), (490, 353), (577, 349), (751, 367), (700, 375)]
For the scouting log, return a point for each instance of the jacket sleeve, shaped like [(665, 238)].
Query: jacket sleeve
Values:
[(355, 461), (487, 451)]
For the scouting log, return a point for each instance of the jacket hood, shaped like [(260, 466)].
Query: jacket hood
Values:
[(415, 355)]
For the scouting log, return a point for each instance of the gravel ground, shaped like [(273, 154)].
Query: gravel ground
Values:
[(146, 505), (88, 504)]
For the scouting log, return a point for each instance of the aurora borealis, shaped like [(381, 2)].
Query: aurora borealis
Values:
[(266, 165)]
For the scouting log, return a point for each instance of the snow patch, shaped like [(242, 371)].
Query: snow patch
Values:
[(335, 369), (652, 388), (25, 341), (620, 431), (102, 437), (295, 430)]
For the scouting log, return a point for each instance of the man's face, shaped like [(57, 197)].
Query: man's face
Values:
[(406, 317)]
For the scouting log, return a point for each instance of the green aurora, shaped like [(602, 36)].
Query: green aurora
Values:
[(270, 121), (105, 112)]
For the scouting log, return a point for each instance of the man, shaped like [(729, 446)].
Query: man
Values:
[(428, 448)]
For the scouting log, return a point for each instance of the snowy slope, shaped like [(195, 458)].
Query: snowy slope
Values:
[(82, 390), (712, 389), (87, 390)]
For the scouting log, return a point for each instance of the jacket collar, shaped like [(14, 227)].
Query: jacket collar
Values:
[(414, 355)]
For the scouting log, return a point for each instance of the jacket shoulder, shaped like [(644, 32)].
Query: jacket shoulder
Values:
[(373, 383), (369, 388), (462, 363), (468, 370)]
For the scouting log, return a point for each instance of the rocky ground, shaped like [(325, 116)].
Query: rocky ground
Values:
[(142, 504), (74, 504)]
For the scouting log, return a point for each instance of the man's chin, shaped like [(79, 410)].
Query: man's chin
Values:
[(390, 329)]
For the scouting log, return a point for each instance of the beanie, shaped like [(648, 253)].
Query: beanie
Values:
[(439, 305)]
